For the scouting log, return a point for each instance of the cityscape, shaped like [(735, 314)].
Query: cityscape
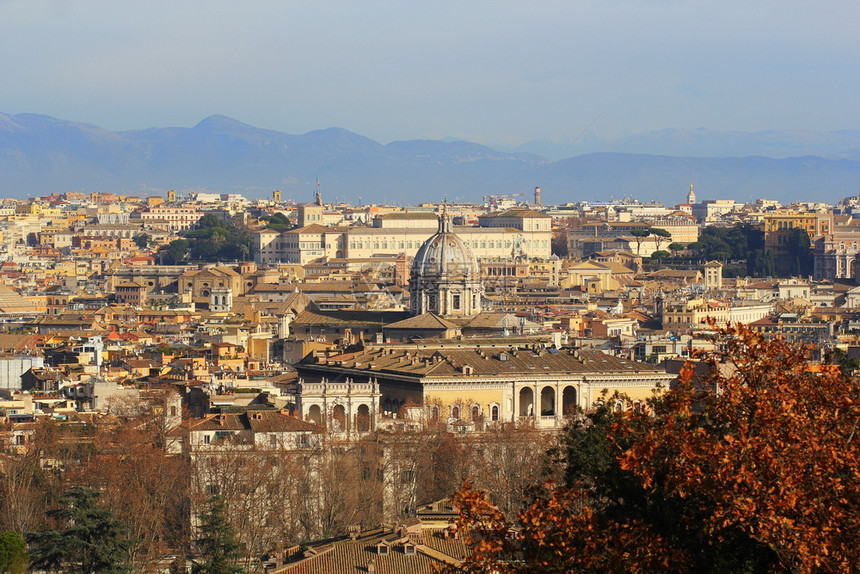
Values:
[(325, 369), (429, 287)]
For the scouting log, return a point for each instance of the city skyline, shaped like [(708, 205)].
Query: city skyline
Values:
[(497, 74)]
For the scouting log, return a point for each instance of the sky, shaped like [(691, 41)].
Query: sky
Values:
[(493, 72)]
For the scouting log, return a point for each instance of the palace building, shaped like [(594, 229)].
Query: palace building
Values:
[(474, 382), (502, 235)]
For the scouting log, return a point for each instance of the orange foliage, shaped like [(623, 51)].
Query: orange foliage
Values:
[(759, 457)]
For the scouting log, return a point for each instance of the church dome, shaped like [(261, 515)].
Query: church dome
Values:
[(445, 255), (446, 277)]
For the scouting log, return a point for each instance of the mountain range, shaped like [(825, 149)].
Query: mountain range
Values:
[(40, 155)]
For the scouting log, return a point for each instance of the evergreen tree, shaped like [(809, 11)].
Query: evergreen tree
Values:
[(639, 235), (13, 553), (142, 240), (92, 540), (218, 544)]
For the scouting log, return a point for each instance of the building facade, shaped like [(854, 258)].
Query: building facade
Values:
[(486, 382)]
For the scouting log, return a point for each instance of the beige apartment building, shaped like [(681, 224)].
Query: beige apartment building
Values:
[(594, 237), (171, 218), (513, 233)]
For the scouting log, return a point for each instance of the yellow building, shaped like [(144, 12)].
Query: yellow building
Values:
[(695, 313), (528, 235), (477, 382), (779, 226)]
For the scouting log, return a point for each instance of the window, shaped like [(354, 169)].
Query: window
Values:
[(456, 302), (494, 412), (207, 439), (409, 549), (455, 412), (382, 549)]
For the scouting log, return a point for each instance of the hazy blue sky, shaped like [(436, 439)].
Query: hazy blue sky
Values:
[(492, 72)]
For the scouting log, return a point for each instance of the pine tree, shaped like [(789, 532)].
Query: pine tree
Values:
[(218, 544), (92, 540), (13, 553)]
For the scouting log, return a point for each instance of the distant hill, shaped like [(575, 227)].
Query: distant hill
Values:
[(701, 142), (40, 155)]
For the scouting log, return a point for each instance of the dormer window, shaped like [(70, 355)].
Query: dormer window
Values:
[(382, 549), (408, 548)]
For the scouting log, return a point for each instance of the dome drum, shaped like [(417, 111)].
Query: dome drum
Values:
[(446, 277)]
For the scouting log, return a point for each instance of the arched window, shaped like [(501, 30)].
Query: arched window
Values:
[(362, 418), (494, 412), (476, 412), (455, 412)]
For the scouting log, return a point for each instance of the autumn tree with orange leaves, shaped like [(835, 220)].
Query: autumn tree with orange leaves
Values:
[(753, 466)]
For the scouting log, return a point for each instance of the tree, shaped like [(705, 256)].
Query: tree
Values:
[(639, 235), (218, 240), (660, 235), (140, 482), (800, 252), (91, 541), (218, 544), (209, 220), (750, 464), (21, 495), (277, 222), (174, 253), (676, 247), (13, 553), (142, 240), (660, 255)]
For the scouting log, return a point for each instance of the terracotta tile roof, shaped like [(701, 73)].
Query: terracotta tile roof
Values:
[(346, 556), (448, 362), (349, 318), (423, 321), (256, 421)]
